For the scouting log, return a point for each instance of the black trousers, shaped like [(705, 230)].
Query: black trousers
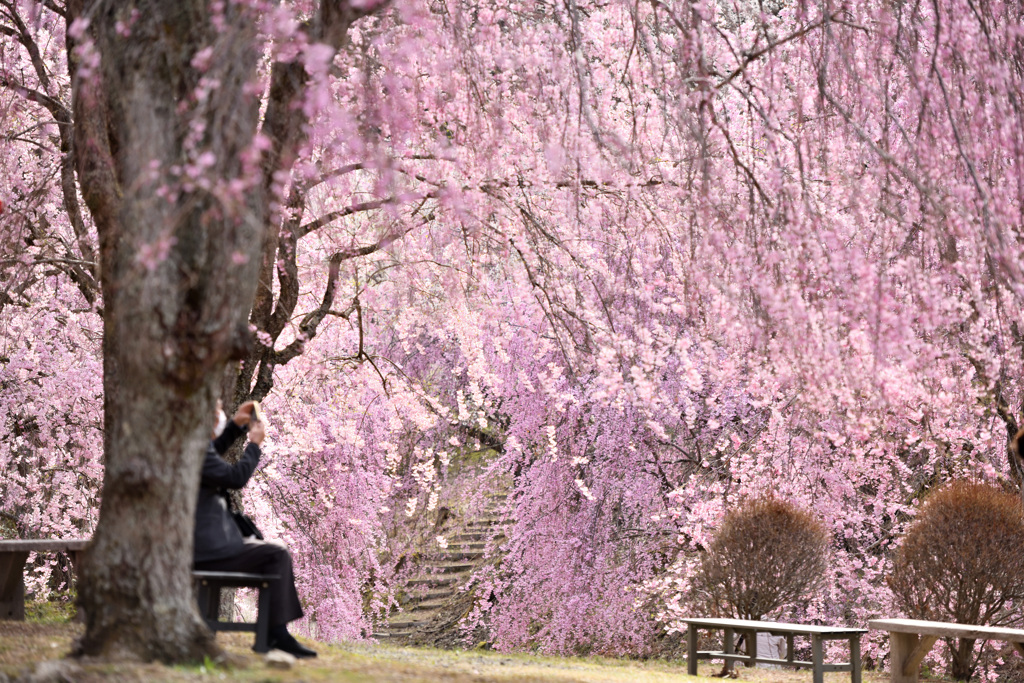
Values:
[(265, 557)]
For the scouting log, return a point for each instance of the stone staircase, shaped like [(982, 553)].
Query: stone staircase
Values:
[(435, 602)]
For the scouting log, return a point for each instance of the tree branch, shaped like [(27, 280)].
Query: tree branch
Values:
[(749, 57), (362, 206)]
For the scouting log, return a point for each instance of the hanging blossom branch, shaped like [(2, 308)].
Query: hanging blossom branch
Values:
[(286, 126), (81, 266), (311, 321)]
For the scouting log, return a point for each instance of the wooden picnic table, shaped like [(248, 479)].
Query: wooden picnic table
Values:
[(911, 639), (13, 555), (750, 629)]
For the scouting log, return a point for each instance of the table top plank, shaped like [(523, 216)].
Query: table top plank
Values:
[(774, 627), (42, 545), (944, 629)]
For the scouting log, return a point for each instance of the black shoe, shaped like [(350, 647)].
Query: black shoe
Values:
[(287, 643)]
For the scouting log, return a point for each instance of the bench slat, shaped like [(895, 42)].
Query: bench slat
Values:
[(707, 654), (947, 630), (237, 579), (43, 545), (718, 654), (776, 627)]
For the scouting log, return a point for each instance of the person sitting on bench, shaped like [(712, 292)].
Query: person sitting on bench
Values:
[(219, 545)]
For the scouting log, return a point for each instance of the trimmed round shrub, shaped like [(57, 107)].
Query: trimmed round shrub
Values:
[(962, 561), (767, 554)]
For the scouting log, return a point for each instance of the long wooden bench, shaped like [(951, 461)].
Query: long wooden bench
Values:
[(750, 629), (208, 587), (13, 555), (911, 639)]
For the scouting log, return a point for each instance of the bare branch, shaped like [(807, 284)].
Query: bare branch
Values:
[(749, 57), (360, 207), (25, 38)]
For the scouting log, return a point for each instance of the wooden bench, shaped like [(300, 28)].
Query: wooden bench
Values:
[(13, 555), (750, 629), (910, 640), (208, 586)]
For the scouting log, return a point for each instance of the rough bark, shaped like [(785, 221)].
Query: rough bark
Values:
[(171, 322), (962, 665), (178, 273)]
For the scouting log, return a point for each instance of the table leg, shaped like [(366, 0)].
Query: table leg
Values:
[(691, 650), (12, 585), (817, 659), (730, 648), (855, 659)]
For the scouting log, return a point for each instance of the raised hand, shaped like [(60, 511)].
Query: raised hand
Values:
[(256, 432), (244, 414)]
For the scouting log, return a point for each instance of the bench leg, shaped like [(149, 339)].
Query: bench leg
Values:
[(213, 606), (691, 650), (263, 621), (12, 585), (730, 648), (855, 659), (76, 560), (906, 651), (208, 598), (752, 652), (817, 659)]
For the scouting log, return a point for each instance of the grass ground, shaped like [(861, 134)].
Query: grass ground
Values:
[(23, 646)]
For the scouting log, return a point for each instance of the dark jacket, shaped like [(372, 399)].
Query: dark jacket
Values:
[(216, 534)]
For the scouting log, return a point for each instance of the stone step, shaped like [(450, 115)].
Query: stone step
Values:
[(439, 580), (445, 593), (459, 555), (453, 548), (469, 546), (484, 523), (387, 635), (470, 538), (404, 626), (475, 537), (441, 572), (429, 605), (427, 593)]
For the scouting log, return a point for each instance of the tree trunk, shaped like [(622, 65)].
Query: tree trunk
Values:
[(179, 261), (165, 123), (136, 587), (963, 659)]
